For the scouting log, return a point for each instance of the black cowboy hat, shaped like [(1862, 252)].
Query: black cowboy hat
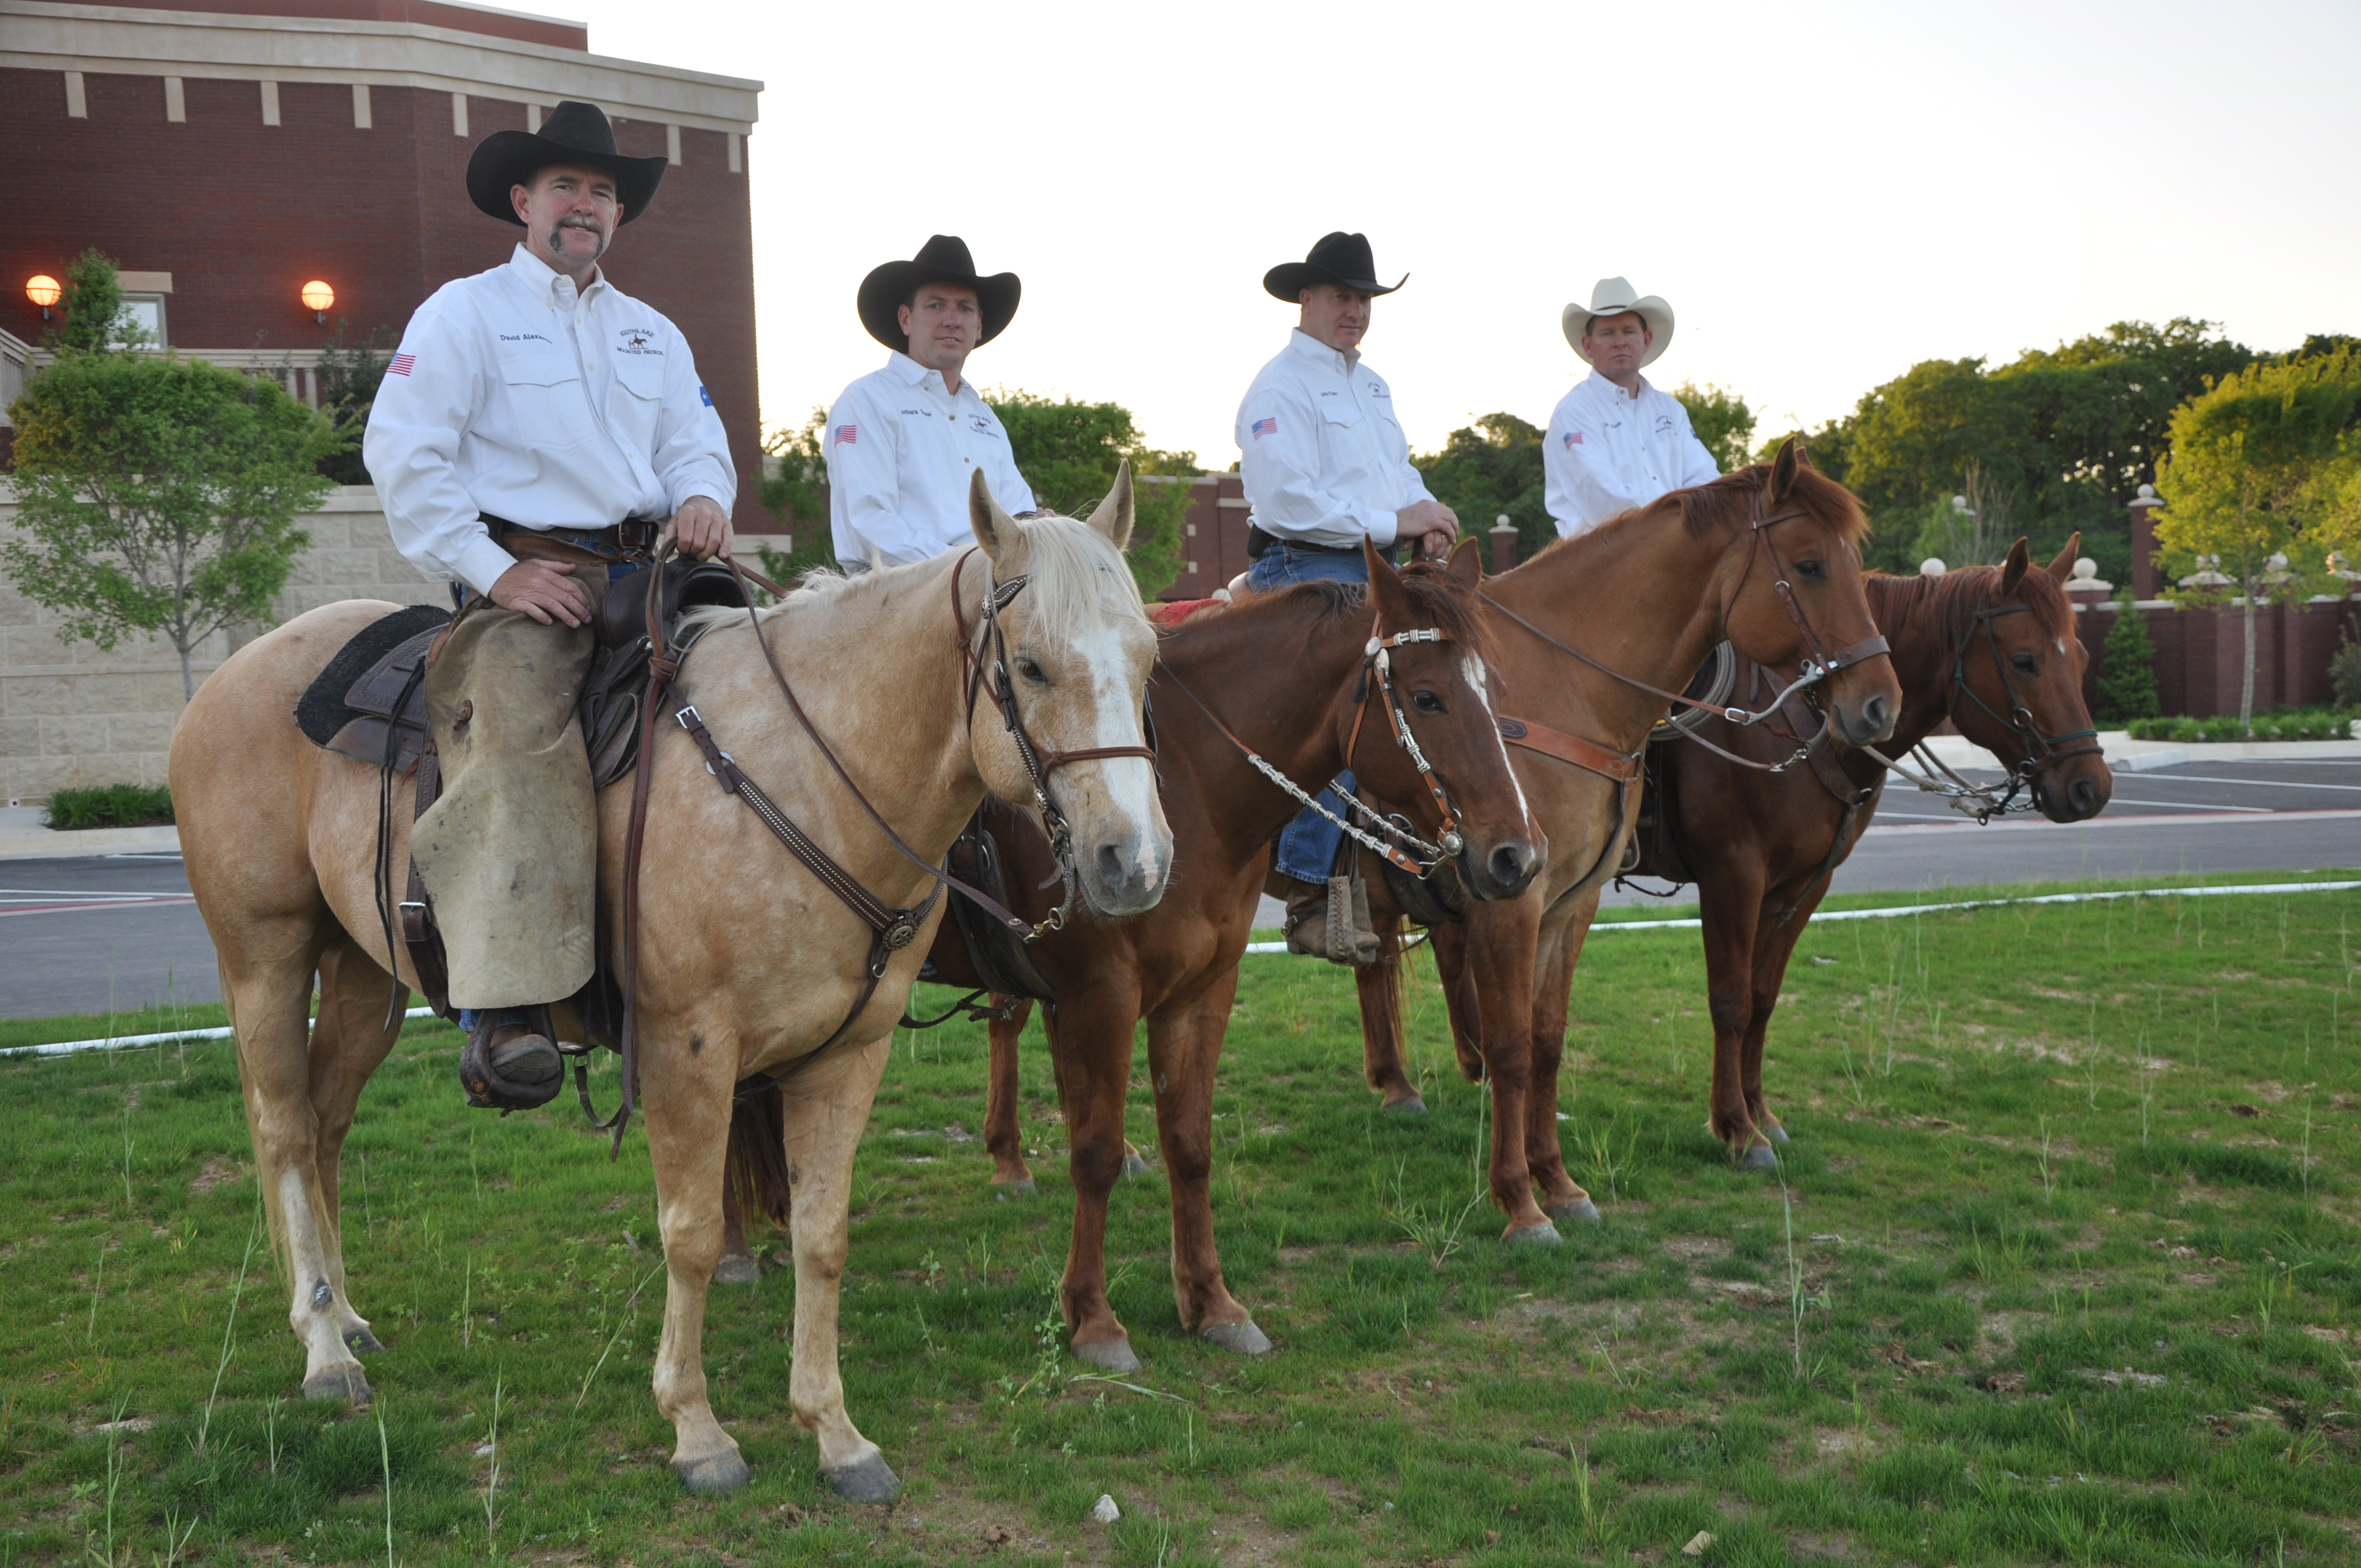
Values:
[(943, 258), (1340, 258), (572, 133)]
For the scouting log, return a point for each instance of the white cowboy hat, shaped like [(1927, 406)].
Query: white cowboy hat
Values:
[(1612, 297)]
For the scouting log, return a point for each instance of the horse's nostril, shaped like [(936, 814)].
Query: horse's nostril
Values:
[(2083, 794), (1110, 865), (1510, 863)]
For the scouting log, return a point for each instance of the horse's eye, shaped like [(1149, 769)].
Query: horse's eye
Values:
[(1031, 671), (1426, 701), (2026, 664), (1809, 566)]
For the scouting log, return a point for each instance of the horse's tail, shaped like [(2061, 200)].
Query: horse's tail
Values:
[(757, 1163)]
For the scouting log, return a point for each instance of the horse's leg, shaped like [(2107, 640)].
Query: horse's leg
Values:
[(737, 1266), (1775, 945), (1730, 904), (350, 1041), (1089, 1046), (1502, 939), (1379, 987), (688, 1109), (827, 1108), (1449, 946), (1002, 1136), (1561, 949), (1184, 1046)]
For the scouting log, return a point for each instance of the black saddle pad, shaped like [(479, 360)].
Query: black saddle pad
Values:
[(329, 705)]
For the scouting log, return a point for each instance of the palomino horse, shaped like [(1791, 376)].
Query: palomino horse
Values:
[(1592, 631), (1292, 677), (748, 964), (1992, 649)]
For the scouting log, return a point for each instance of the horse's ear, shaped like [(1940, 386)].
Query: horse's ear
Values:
[(2061, 570), (1114, 516), (994, 528), (1385, 582), (1466, 564), (2011, 571), (1783, 474)]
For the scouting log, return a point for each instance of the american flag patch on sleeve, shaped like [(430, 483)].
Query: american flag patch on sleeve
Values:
[(847, 435), (403, 364), (1572, 439), (1263, 427)]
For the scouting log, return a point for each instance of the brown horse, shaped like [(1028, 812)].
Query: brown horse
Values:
[(1992, 649), (1287, 675), (749, 964), (1592, 631)]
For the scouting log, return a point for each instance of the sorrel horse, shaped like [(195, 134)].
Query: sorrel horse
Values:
[(1992, 649), (1593, 631), (748, 964), (1293, 677)]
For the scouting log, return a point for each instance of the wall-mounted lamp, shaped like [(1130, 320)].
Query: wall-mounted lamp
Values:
[(43, 290), (318, 298)]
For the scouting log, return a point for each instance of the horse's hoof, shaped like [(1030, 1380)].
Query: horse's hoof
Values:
[(715, 1475), (344, 1383), (1407, 1105), (1025, 1189), (1778, 1134), (1108, 1355), (871, 1481), (360, 1341), (1542, 1234), (1244, 1338), (1579, 1209), (1135, 1164), (1758, 1156), (737, 1271)]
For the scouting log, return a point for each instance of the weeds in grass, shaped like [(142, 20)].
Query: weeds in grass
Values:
[(2306, 1166), (229, 1344), (468, 1304), (176, 1539), (103, 1551), (97, 1278), (630, 1316), (2147, 1084), (385, 1473), (127, 1155), (270, 1408), (493, 1478), (1608, 1167), (1436, 1235), (2049, 1180)]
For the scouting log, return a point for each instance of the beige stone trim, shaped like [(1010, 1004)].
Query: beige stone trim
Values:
[(77, 104), (361, 121), (458, 114), (40, 35), (737, 153), (176, 101), (145, 282), (270, 102), (671, 145)]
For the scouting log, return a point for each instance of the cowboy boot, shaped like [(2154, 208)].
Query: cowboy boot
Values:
[(1330, 919), (511, 1060)]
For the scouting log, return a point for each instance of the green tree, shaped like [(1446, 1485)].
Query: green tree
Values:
[(2251, 487), (348, 379), (797, 496), (1067, 451), (2126, 667), (1723, 423), (1490, 468), (159, 495), (95, 320)]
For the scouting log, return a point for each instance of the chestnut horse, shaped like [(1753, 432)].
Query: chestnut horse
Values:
[(1288, 675), (1593, 631), (1992, 649), (748, 963)]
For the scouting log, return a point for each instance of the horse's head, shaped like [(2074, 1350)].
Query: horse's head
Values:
[(1792, 590), (1066, 658), (2017, 687), (1428, 704)]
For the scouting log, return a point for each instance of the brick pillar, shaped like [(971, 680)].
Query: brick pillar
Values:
[(2145, 584), (1504, 544)]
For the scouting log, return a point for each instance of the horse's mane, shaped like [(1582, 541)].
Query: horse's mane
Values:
[(1436, 598), (1727, 502), (1952, 599)]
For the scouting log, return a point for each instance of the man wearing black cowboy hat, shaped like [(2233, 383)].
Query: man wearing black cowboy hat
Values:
[(903, 441), (535, 435), (1325, 465)]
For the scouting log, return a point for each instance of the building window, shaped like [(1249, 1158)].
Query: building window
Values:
[(146, 312)]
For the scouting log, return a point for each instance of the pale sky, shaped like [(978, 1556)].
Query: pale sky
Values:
[(1824, 193)]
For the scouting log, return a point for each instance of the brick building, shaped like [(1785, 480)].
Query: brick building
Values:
[(225, 159)]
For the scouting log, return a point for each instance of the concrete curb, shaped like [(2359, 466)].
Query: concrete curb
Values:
[(2125, 755), (51, 844)]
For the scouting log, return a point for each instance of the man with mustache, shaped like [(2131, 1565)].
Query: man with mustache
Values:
[(903, 441), (1616, 442), (536, 436)]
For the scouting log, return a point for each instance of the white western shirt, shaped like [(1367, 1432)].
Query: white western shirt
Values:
[(1609, 451), (514, 396), (900, 450), (1322, 455)]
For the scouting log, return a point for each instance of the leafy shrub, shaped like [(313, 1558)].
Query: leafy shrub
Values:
[(2127, 667), (2284, 724), (111, 806), (2345, 670)]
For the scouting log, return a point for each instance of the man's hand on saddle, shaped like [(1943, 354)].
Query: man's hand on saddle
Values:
[(1429, 527), (544, 590), (702, 528)]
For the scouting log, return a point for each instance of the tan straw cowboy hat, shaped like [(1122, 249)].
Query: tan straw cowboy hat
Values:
[(1612, 297)]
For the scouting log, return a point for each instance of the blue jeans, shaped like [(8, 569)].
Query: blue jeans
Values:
[(1307, 846)]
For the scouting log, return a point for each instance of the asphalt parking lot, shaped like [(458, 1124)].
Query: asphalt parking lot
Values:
[(87, 935)]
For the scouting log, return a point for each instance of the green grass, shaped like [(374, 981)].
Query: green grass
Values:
[(111, 806), (2063, 1267)]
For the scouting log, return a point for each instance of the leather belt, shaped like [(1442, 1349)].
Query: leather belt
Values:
[(634, 539), (1260, 541)]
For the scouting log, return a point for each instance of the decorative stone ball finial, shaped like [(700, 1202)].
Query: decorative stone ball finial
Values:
[(1932, 567)]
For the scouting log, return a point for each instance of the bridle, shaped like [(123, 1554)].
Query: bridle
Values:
[(2042, 752), (1038, 763), (1817, 667), (1398, 846)]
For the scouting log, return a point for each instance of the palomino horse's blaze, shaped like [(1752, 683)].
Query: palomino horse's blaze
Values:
[(1646, 596), (747, 963), (1974, 645)]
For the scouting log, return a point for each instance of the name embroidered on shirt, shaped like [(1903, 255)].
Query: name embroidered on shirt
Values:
[(847, 435), (1263, 427), (636, 340), (404, 364), (1572, 439)]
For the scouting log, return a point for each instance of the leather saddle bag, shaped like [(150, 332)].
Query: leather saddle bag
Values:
[(1002, 962)]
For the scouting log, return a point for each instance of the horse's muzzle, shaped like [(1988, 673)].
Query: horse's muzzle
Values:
[(1503, 872), (1868, 721), (2081, 796), (1127, 878)]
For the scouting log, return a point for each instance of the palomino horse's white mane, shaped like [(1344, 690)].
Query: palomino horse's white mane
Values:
[(1076, 581)]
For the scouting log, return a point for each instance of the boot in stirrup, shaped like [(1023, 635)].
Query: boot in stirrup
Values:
[(511, 1060)]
